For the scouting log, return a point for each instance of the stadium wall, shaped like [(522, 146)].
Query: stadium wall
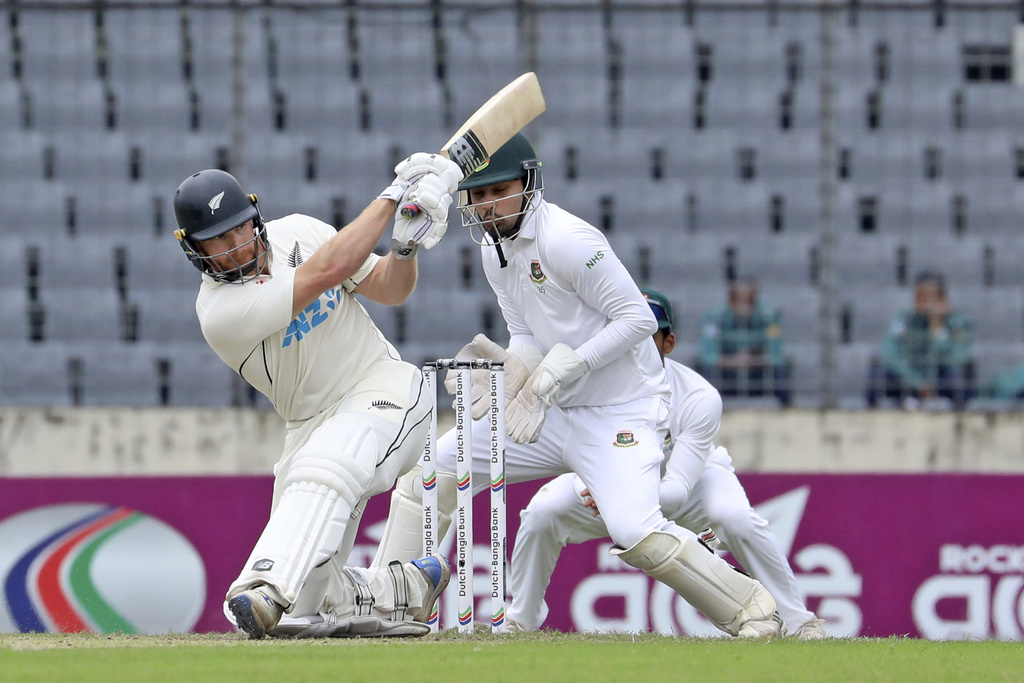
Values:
[(124, 441)]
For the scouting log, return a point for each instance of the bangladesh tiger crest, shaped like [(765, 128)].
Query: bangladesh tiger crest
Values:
[(625, 440), (536, 274)]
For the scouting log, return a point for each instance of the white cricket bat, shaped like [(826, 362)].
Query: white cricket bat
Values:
[(491, 126)]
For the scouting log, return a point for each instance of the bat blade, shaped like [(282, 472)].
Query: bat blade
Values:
[(492, 125)]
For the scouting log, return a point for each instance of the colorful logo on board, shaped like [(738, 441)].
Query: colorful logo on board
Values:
[(97, 568)]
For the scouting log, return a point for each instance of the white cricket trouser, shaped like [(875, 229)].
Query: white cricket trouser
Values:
[(616, 450), (556, 517), (351, 452)]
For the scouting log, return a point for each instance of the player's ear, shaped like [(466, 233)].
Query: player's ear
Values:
[(670, 343)]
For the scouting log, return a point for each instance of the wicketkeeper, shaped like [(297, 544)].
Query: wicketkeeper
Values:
[(585, 391)]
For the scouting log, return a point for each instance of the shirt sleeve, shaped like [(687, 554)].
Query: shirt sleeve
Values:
[(235, 319), (693, 429), (954, 347), (893, 356), (584, 259), (369, 264)]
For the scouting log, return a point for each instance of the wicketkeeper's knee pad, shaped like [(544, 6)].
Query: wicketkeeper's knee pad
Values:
[(403, 533), (734, 602)]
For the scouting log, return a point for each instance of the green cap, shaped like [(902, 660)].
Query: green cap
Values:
[(661, 307)]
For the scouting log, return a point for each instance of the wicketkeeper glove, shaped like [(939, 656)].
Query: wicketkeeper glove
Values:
[(519, 361), (525, 416)]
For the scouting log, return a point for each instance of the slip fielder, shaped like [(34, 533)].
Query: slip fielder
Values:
[(699, 489)]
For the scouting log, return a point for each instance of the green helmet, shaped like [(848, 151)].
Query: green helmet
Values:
[(661, 307), (514, 159)]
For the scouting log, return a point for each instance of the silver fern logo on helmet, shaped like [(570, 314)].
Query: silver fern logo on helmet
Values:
[(214, 203)]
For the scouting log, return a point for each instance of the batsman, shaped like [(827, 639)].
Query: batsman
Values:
[(277, 304), (585, 390)]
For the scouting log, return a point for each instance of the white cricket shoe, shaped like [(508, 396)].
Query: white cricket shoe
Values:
[(255, 612), (813, 629), (762, 628)]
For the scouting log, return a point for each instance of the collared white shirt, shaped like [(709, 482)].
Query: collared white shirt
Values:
[(306, 364), (564, 284)]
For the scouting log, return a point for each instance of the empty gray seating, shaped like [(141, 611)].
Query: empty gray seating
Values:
[(357, 165), (405, 95), (174, 156), (866, 261), (82, 314), (23, 154), (121, 375), (622, 89), (35, 374), (14, 304), (573, 61), (853, 362), (658, 76), (59, 56), (805, 370), (799, 306), (33, 207), (960, 259), (118, 212), (1008, 267), (159, 263), (168, 316), (998, 312), (449, 318), (873, 309), (70, 263), (197, 376)]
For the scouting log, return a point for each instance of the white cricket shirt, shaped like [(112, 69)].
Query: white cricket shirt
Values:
[(689, 392), (305, 365), (563, 283)]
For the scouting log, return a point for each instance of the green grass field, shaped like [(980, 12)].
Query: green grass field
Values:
[(549, 657)]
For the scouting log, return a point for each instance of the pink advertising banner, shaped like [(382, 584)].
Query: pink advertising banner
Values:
[(931, 556)]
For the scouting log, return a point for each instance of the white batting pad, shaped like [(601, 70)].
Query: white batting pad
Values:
[(304, 530), (403, 533)]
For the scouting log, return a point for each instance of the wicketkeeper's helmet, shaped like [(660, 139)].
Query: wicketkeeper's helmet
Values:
[(209, 204), (514, 160)]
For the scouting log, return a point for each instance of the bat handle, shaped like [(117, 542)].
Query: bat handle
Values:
[(410, 210)]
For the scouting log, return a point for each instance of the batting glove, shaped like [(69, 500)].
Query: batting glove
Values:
[(428, 226), (421, 164), (525, 416), (416, 167), (396, 191)]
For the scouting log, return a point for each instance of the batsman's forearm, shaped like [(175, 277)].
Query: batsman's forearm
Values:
[(341, 256), (354, 243), (395, 280)]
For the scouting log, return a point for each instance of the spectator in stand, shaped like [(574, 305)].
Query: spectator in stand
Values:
[(927, 352), (741, 350)]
